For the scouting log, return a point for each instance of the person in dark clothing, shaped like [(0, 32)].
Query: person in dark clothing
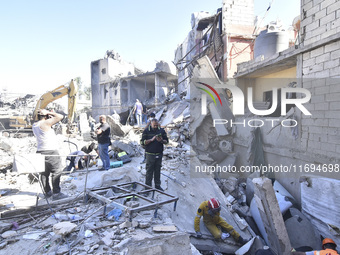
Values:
[(104, 141), (144, 115), (151, 116), (153, 139), (78, 160)]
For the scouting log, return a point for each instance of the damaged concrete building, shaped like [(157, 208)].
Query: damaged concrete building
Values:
[(116, 84), (273, 210), (230, 48)]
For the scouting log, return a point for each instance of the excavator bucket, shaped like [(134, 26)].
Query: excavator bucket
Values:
[(72, 98)]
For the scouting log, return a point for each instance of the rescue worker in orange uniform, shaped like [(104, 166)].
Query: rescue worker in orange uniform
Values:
[(210, 210), (328, 248)]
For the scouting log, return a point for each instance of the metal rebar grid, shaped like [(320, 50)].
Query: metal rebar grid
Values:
[(130, 190)]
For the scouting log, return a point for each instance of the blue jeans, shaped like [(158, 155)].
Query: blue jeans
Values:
[(139, 119), (145, 118), (104, 154)]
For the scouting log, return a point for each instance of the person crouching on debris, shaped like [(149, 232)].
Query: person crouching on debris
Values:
[(46, 143), (328, 248), (210, 210), (154, 138), (78, 160)]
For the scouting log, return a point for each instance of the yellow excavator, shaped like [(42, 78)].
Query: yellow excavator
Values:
[(50, 96)]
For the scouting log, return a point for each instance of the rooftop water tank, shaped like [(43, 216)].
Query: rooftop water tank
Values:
[(271, 41)]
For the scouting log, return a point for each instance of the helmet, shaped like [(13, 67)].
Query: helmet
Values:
[(328, 240), (214, 205)]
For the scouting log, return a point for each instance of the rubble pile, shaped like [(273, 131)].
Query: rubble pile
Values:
[(85, 224)]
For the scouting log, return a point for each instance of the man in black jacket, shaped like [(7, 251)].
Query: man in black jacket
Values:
[(154, 138)]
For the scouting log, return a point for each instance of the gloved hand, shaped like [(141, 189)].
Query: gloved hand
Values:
[(242, 241), (224, 236), (198, 234)]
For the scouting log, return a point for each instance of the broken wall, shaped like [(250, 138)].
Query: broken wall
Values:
[(238, 28), (140, 90), (161, 88), (315, 139), (104, 76)]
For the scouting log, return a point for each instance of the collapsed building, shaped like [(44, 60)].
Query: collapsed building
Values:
[(221, 48), (302, 147), (116, 84)]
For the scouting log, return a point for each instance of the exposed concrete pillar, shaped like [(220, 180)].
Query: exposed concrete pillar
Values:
[(129, 90), (157, 89), (271, 216)]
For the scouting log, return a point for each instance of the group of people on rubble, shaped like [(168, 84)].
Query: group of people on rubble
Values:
[(153, 139)]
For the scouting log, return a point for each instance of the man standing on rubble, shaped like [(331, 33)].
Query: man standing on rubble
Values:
[(104, 141), (328, 248), (210, 210), (138, 110), (154, 138), (46, 143)]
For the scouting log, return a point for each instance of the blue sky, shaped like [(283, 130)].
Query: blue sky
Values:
[(45, 44)]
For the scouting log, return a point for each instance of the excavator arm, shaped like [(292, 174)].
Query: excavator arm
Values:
[(57, 93)]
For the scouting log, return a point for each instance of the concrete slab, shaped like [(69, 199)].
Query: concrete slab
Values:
[(301, 232), (269, 211), (326, 190)]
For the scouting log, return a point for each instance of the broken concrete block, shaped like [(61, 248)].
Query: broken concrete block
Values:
[(174, 136), (135, 224), (126, 224), (326, 190), (121, 245), (270, 214), (64, 228), (94, 247), (300, 230), (5, 226), (3, 245), (8, 234), (132, 204), (240, 222), (108, 238), (164, 228), (121, 146), (144, 224), (205, 158), (230, 199), (63, 249), (115, 127)]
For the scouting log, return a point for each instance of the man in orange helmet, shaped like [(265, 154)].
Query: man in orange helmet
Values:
[(328, 248), (210, 210)]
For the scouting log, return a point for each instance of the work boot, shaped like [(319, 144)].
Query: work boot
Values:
[(58, 196), (48, 194), (159, 188), (242, 240)]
